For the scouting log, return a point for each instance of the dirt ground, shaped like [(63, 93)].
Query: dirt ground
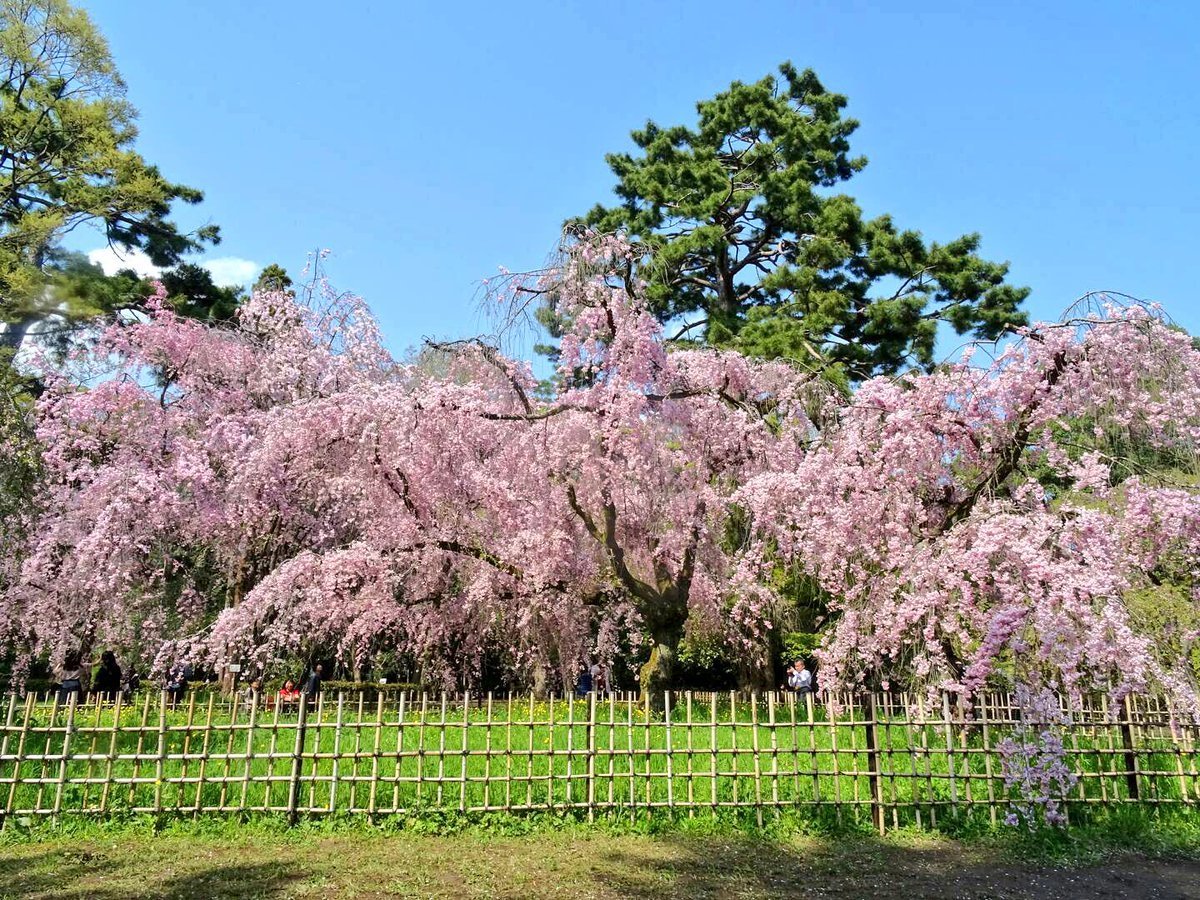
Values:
[(563, 865)]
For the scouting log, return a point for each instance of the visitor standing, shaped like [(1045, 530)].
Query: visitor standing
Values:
[(177, 686), (70, 678), (583, 687), (312, 687), (108, 677), (799, 678)]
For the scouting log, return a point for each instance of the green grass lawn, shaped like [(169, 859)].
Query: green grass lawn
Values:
[(1128, 853), (434, 754)]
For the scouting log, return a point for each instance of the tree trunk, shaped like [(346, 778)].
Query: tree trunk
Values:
[(658, 674), (755, 671), (540, 678)]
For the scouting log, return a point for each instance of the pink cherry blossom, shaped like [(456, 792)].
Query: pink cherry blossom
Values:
[(245, 493)]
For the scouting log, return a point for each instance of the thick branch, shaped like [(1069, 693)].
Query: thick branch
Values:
[(607, 538), (1011, 455)]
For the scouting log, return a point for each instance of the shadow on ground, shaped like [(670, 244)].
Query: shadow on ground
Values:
[(565, 866), (76, 875), (744, 868)]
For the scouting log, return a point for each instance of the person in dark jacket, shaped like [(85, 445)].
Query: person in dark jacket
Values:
[(312, 687), (132, 682), (177, 686), (108, 677)]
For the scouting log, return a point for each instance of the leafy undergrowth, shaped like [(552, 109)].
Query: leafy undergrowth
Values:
[(1093, 834)]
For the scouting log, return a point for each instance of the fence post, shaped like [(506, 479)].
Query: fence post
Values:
[(873, 763), (160, 752), (297, 762), (66, 753), (1131, 762), (948, 728), (591, 757), (4, 758)]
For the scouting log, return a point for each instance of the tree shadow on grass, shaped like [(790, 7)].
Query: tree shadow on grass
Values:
[(712, 868), (80, 874)]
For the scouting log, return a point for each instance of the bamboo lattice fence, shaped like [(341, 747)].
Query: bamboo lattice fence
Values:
[(895, 759)]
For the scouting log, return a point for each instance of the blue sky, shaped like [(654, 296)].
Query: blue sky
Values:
[(426, 144)]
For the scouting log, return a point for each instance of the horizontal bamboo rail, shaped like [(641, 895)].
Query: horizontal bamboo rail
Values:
[(895, 759)]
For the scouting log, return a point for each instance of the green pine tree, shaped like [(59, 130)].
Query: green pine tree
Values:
[(749, 245), (67, 158)]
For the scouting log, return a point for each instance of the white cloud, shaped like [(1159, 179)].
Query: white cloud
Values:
[(113, 261), (229, 270), (226, 270)]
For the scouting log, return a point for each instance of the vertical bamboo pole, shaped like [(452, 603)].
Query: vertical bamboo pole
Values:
[(248, 758), (227, 759), (373, 798), (9, 718), (441, 756), (550, 755), (269, 783), (925, 747), (111, 755), (43, 776), (1189, 742), (691, 796), (713, 747), (830, 713), (570, 744), (591, 758), (757, 761), (987, 762), (911, 743), (611, 748), (774, 753), (336, 763), (204, 754), (794, 733), (91, 753), (1131, 760), (508, 752), (855, 770), (353, 801), (399, 770), (1095, 731), (889, 740), (733, 738), (466, 744), (160, 753), (965, 756), (94, 730), (812, 747), (632, 759), (670, 754), (1077, 759), (1177, 741), (487, 755), (64, 760), (293, 800), (185, 764), (529, 767), (318, 728), (9, 728), (646, 734), (871, 744), (22, 739), (137, 760)]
